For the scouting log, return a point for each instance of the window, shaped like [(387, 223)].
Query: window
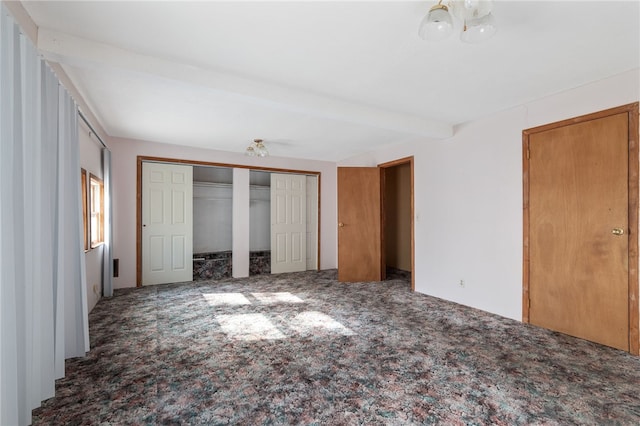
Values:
[(85, 222), (96, 204)]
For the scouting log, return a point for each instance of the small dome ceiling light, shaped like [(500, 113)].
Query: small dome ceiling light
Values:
[(478, 24), (257, 149)]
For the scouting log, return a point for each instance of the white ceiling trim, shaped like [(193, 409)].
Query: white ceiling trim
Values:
[(70, 50)]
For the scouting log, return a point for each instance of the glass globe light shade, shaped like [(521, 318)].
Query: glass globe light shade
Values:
[(260, 149), (478, 30), (262, 152), (437, 25), (250, 151), (471, 9)]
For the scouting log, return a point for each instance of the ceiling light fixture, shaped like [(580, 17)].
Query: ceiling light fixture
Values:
[(257, 149), (478, 24)]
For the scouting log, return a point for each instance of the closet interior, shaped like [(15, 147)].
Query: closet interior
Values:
[(212, 223)]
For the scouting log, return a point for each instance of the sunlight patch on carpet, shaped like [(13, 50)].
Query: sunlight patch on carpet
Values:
[(222, 299), (312, 322), (273, 298), (249, 327)]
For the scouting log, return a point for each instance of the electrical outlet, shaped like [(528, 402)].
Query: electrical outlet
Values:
[(461, 283), (95, 289)]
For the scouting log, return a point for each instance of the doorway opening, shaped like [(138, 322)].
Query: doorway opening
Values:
[(213, 220), (397, 219)]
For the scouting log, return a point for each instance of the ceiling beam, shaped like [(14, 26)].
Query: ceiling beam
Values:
[(71, 50), (30, 30)]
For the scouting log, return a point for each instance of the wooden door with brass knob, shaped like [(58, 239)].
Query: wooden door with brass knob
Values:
[(580, 202), (359, 224)]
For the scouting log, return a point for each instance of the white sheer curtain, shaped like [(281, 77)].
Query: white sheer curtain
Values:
[(70, 256), (43, 311), (107, 254)]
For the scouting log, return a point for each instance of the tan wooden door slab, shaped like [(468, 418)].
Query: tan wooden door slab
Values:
[(359, 226), (577, 229)]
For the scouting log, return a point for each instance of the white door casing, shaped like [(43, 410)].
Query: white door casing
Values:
[(288, 223), (167, 223)]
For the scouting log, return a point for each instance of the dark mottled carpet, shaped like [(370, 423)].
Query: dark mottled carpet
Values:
[(302, 348)]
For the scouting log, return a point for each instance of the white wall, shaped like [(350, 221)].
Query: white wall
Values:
[(124, 154), (260, 218), (468, 196), (212, 217), (241, 238), (312, 220), (91, 161)]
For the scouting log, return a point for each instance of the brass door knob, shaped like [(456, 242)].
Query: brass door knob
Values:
[(617, 231), (340, 224)]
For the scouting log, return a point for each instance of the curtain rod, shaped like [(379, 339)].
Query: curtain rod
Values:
[(91, 128)]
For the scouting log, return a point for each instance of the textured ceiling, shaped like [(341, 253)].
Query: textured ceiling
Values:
[(317, 79)]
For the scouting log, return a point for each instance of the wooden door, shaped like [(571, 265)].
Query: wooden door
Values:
[(359, 225), (167, 223), (288, 223), (578, 226)]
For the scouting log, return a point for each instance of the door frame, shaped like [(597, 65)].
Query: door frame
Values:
[(383, 167), (141, 158), (632, 112)]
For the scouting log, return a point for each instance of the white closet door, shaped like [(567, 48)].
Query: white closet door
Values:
[(288, 223), (167, 223)]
